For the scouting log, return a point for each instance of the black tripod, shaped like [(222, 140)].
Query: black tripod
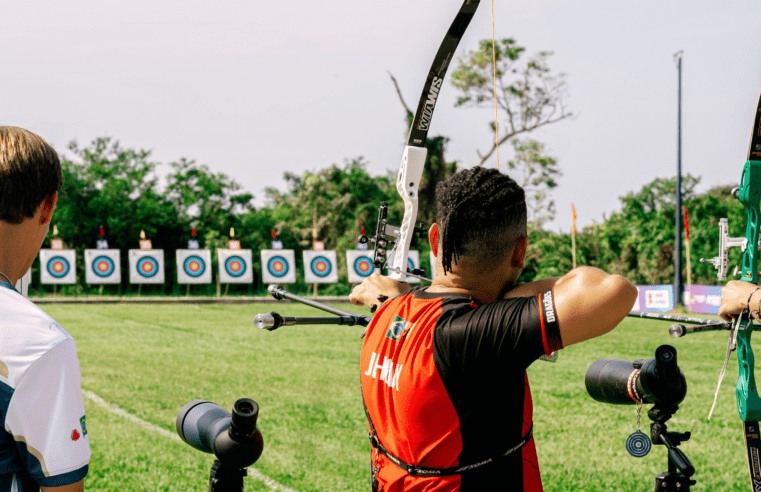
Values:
[(677, 478)]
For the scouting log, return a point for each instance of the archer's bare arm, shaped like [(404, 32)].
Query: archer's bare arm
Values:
[(532, 288), (590, 303)]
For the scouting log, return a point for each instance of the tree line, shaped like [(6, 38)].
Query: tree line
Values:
[(120, 189)]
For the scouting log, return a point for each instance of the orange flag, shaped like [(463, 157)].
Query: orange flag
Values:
[(573, 218)]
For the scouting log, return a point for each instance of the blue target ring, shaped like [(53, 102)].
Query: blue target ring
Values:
[(277, 266), (321, 266), (147, 267), (194, 266), (235, 266), (58, 267), (638, 444), (103, 266), (363, 266)]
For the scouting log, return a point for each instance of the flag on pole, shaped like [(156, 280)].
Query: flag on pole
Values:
[(689, 268), (573, 218)]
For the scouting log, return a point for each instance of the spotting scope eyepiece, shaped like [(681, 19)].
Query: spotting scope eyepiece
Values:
[(233, 439), (623, 382)]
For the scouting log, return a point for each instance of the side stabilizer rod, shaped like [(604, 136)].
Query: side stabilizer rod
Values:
[(675, 317), (273, 321), (280, 293)]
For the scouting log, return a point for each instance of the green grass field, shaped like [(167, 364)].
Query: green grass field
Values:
[(148, 361)]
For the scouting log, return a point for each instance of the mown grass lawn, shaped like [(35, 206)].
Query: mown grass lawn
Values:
[(150, 360)]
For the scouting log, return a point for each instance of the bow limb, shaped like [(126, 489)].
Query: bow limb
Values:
[(415, 152)]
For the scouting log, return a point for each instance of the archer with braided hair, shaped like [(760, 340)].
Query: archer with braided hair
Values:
[(443, 367), (482, 215)]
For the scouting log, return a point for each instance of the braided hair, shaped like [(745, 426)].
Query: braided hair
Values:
[(481, 214)]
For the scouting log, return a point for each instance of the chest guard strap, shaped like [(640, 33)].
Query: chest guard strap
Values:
[(413, 470)]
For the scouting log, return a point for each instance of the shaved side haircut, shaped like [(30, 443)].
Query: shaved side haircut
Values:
[(481, 214)]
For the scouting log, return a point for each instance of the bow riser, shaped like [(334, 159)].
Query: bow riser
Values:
[(748, 400), (407, 184)]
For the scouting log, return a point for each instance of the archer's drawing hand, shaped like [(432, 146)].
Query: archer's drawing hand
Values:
[(734, 298), (375, 286)]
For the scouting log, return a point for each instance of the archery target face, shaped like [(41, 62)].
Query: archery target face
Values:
[(320, 267), (146, 266), (102, 266), (278, 266), (363, 266), (359, 265), (235, 266), (58, 266), (193, 266)]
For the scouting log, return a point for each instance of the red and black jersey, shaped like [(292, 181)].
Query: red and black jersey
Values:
[(444, 383)]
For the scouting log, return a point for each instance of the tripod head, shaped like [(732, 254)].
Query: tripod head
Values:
[(233, 439)]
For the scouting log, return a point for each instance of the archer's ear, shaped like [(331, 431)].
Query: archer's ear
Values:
[(519, 252), (48, 207), (433, 238)]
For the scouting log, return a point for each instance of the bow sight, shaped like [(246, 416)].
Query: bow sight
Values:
[(387, 236)]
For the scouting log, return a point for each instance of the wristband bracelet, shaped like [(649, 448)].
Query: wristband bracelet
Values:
[(747, 304)]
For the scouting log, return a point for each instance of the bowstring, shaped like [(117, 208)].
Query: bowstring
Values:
[(494, 76)]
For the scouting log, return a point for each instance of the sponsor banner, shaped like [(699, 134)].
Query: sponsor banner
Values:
[(23, 283), (704, 299), (413, 262), (359, 265), (657, 298), (146, 266), (235, 266), (193, 266), (58, 266), (103, 266), (432, 259), (278, 266), (320, 267)]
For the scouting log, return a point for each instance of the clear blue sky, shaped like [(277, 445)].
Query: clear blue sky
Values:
[(253, 89)]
